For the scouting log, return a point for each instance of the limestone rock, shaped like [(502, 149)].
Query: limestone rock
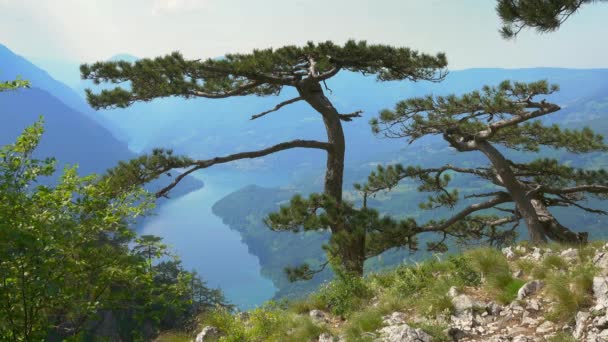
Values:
[(453, 292), (569, 254), (545, 328), (600, 260), (319, 316), (509, 253), (395, 318), (404, 333), (325, 337), (529, 288), (600, 291), (581, 324), (463, 303), (208, 333)]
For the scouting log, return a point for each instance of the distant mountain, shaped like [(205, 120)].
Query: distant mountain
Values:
[(13, 66), (72, 135)]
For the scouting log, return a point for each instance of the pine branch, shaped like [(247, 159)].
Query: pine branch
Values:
[(351, 116), (202, 164), (502, 197), (277, 107)]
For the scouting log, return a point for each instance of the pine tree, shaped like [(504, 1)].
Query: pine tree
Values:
[(492, 122), (262, 73), (542, 15)]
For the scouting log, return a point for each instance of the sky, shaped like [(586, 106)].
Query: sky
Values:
[(467, 30)]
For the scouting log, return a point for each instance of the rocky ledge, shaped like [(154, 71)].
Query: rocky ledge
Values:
[(476, 317)]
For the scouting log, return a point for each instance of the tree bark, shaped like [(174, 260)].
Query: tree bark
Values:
[(553, 229), (351, 250), (518, 191)]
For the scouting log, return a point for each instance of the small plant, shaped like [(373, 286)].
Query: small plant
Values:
[(343, 295), (562, 337), (508, 292), (364, 321), (554, 262), (572, 291), (495, 269), (526, 266), (437, 331)]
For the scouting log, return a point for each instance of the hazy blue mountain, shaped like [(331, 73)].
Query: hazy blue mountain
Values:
[(13, 66), (70, 136), (73, 135)]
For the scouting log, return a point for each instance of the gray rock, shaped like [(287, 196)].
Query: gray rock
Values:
[(529, 321), (601, 322), (325, 337), (569, 254), (600, 291), (494, 309), (404, 333), (600, 260), (500, 338), (318, 316), (395, 318), (521, 338), (545, 328), (536, 254), (529, 288), (533, 305), (581, 324), (453, 292), (208, 333), (508, 253), (456, 334), (463, 303)]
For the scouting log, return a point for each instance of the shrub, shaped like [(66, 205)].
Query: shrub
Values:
[(364, 321), (343, 295)]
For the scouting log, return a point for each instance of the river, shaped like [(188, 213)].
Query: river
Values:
[(205, 244)]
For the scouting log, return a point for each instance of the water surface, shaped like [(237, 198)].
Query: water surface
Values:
[(207, 245)]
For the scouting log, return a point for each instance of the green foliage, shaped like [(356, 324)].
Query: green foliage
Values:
[(544, 16), (343, 295), (363, 321), (15, 84), (437, 331), (267, 323), (562, 337), (145, 168), (66, 255), (572, 291), (508, 115), (262, 72), (495, 270)]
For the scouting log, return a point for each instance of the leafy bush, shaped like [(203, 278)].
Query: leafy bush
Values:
[(364, 321), (343, 295)]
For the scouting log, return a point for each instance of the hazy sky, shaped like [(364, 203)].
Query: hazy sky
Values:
[(88, 30)]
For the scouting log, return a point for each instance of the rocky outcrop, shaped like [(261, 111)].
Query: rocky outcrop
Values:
[(209, 333), (403, 333), (476, 316)]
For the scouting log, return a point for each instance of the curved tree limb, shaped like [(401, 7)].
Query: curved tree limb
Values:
[(202, 164), (277, 107), (502, 197)]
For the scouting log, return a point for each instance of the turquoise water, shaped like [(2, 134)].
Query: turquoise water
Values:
[(207, 245)]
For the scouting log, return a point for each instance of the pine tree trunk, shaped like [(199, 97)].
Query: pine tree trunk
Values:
[(351, 250), (501, 165), (553, 229)]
